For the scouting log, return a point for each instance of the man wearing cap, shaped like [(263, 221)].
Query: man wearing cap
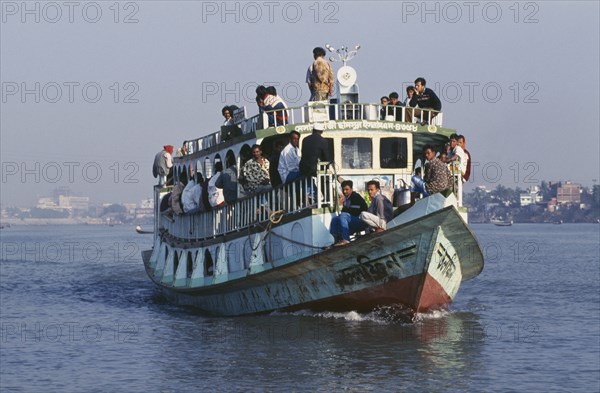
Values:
[(163, 162), (314, 148)]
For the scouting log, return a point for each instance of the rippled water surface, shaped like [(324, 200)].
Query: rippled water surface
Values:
[(79, 314)]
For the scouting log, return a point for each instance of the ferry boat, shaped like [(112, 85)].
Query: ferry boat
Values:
[(272, 251)]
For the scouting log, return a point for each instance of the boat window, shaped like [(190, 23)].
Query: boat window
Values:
[(393, 153), (357, 153), (208, 264), (207, 167), (190, 265), (175, 262)]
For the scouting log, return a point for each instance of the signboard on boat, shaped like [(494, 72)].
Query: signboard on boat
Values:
[(332, 125)]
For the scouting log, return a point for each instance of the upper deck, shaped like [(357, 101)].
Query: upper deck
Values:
[(426, 124)]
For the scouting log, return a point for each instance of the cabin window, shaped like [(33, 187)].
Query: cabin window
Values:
[(357, 153), (393, 153)]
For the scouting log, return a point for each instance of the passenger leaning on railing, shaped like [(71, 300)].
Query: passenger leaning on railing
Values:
[(457, 155), (289, 160), (424, 98)]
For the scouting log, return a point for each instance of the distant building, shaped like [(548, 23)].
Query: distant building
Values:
[(568, 193), (147, 203), (531, 196), (74, 203)]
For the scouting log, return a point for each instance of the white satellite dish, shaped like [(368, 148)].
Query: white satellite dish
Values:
[(346, 76)]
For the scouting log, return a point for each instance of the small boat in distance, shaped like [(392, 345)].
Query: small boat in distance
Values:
[(141, 231), (501, 223)]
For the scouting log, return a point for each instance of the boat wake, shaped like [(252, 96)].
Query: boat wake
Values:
[(382, 315)]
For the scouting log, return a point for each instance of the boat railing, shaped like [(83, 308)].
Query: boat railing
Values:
[(321, 111), (258, 209), (457, 184)]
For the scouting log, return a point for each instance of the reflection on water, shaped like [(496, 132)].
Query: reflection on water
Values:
[(306, 349)]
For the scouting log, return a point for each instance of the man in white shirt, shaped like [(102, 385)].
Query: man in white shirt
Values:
[(289, 161), (457, 154)]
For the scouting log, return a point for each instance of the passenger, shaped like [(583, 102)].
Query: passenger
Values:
[(176, 204), (289, 161), (227, 114), (410, 91), (437, 176), (348, 222), (423, 98), (163, 165), (271, 101), (457, 155), (394, 109), (228, 180), (191, 197), (383, 111), (380, 210), (256, 172), (416, 179), (319, 77), (274, 163), (462, 142), (215, 194), (314, 148)]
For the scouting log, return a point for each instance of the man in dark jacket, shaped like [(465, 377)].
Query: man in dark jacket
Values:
[(348, 222), (423, 98), (314, 148)]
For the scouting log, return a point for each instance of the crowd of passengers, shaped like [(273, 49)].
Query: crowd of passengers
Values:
[(287, 163)]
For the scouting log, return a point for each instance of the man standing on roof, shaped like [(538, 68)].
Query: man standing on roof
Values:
[(319, 77), (163, 162)]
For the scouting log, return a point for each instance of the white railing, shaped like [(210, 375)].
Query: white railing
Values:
[(321, 112), (255, 209)]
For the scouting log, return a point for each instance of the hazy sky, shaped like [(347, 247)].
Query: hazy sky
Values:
[(92, 90)]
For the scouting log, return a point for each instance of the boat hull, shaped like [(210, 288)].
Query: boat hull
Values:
[(418, 265)]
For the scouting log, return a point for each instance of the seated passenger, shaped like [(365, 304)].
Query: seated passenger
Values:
[(416, 179), (191, 197), (215, 194), (380, 211), (348, 222), (289, 160), (256, 172), (423, 98), (437, 176), (228, 180), (175, 205)]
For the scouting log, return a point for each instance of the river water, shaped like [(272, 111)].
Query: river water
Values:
[(78, 314)]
